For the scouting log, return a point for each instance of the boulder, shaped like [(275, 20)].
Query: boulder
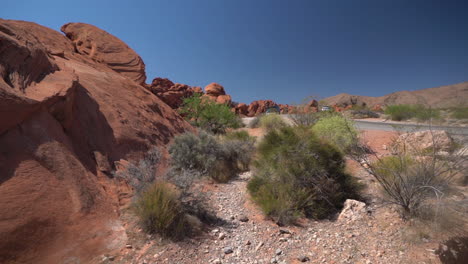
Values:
[(103, 47), (171, 93), (352, 211), (64, 118), (214, 89), (224, 99), (424, 141), (241, 109)]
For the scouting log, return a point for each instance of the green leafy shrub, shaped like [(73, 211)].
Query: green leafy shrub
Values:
[(460, 113), (299, 175), (404, 112), (209, 115), (219, 158), (160, 211), (272, 121), (337, 130)]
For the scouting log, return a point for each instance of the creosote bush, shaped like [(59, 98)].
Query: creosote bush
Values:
[(209, 115), (296, 174), (271, 122), (217, 157), (337, 130)]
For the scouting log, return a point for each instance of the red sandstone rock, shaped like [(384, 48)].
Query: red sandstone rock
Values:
[(241, 109), (224, 99), (214, 89), (58, 109), (259, 107), (103, 47)]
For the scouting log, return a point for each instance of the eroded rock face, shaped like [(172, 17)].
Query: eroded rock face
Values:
[(214, 89), (64, 118), (103, 47)]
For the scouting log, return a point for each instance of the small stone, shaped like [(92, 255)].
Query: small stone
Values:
[(243, 218), (111, 258), (215, 231), (128, 246), (303, 258), (273, 261), (283, 239), (217, 261), (278, 252), (248, 242), (259, 246), (221, 236), (284, 231), (228, 250)]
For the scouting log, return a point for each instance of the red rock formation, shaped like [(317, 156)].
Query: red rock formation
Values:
[(172, 94), (241, 109), (64, 119), (214, 89), (259, 107), (105, 48)]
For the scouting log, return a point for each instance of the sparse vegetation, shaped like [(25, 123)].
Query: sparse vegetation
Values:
[(160, 211), (271, 122), (209, 115), (337, 130), (141, 174), (460, 112), (404, 112), (299, 175), (413, 178), (219, 158)]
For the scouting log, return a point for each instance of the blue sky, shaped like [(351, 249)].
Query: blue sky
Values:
[(280, 50)]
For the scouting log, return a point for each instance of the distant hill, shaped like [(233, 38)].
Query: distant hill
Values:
[(443, 96)]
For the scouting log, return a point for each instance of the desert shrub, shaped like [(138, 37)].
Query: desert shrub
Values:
[(404, 112), (141, 174), (460, 113), (364, 113), (337, 130), (254, 123), (297, 174), (219, 158), (413, 177), (272, 121), (160, 211), (209, 115), (239, 135)]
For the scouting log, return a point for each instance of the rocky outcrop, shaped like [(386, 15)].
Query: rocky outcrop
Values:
[(259, 107), (103, 47), (352, 211), (65, 117), (172, 93), (215, 92), (424, 142)]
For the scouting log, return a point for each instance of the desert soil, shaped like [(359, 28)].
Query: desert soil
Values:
[(378, 235)]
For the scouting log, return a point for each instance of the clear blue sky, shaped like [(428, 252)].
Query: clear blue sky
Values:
[(281, 50)]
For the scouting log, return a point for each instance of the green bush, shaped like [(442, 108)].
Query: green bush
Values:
[(297, 174), (160, 211), (460, 113), (209, 115), (272, 121), (239, 135), (337, 130), (404, 112), (219, 158)]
